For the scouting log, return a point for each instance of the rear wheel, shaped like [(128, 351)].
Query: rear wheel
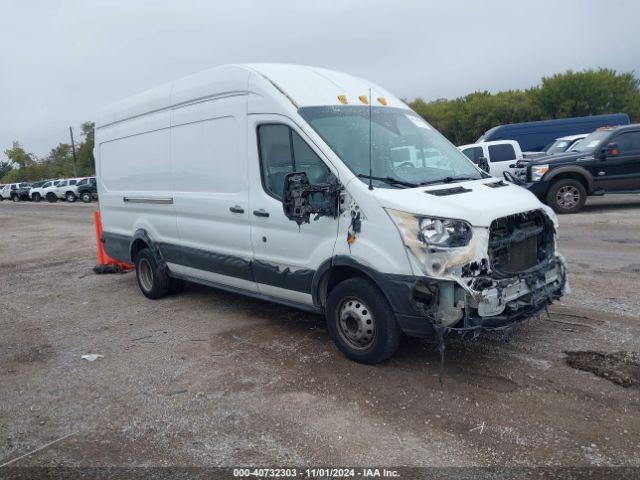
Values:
[(15, 198), (70, 197), (152, 280), (52, 197), (361, 321), (36, 197), (567, 196), (86, 197)]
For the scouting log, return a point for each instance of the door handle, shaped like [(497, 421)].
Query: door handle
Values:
[(236, 209), (261, 213)]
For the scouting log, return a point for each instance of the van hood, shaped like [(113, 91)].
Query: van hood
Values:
[(478, 202)]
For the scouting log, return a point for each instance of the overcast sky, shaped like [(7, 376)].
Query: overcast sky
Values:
[(60, 60)]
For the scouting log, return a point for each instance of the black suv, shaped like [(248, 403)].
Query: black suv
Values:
[(606, 161), (20, 191), (87, 190)]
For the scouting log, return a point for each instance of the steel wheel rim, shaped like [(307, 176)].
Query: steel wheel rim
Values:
[(145, 275), (356, 324), (568, 196)]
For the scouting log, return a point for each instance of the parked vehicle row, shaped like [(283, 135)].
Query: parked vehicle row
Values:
[(571, 167), (69, 189), (606, 161)]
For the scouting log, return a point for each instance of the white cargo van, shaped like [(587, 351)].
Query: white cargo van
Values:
[(323, 191)]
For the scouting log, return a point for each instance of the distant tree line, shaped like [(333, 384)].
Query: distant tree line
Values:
[(26, 167), (569, 94), (462, 120)]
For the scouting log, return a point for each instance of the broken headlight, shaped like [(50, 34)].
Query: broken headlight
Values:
[(431, 231)]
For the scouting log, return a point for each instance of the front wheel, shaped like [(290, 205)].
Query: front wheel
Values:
[(36, 197), (86, 197), (52, 197), (567, 196), (14, 198), (361, 321)]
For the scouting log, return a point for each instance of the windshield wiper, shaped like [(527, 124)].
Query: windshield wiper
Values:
[(461, 178), (389, 180)]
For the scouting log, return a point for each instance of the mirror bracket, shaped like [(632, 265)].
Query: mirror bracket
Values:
[(296, 202)]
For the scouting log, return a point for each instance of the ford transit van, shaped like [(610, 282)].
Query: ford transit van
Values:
[(322, 191)]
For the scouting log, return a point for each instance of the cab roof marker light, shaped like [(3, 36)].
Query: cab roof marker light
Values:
[(382, 101), (364, 99), (343, 99)]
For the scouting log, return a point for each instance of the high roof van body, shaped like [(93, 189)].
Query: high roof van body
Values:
[(323, 191)]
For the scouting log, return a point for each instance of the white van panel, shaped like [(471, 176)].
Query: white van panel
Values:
[(206, 157), (139, 163)]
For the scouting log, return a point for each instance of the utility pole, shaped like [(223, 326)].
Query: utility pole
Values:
[(73, 149)]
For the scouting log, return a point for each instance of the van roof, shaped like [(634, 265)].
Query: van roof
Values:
[(296, 85)]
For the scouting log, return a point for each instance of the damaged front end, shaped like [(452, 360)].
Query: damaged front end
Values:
[(480, 279)]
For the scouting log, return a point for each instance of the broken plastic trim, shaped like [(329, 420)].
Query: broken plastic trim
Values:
[(298, 194)]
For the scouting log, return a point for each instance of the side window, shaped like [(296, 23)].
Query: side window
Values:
[(306, 160), (283, 151), (473, 153), (628, 142), (72, 182), (501, 153)]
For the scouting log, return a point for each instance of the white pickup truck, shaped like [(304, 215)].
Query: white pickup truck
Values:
[(500, 155)]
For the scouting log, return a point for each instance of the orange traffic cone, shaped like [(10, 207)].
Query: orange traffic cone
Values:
[(106, 264)]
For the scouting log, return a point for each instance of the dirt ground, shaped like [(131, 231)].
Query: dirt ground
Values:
[(217, 379)]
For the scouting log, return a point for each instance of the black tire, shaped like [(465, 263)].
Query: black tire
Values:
[(36, 197), (152, 280), (52, 197), (176, 285), (15, 198), (567, 196), (361, 321), (86, 197), (70, 197)]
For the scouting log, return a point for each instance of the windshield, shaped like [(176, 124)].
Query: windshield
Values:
[(405, 150), (591, 141), (559, 146)]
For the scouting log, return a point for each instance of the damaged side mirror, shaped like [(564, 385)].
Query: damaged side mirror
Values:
[(301, 199)]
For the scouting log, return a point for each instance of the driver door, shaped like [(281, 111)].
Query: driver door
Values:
[(285, 255)]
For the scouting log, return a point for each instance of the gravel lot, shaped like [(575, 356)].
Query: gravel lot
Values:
[(213, 378)]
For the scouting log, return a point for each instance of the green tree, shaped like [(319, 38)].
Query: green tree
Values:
[(591, 92), (568, 94), (18, 155), (5, 168), (86, 162)]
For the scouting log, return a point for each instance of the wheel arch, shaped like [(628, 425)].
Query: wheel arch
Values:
[(573, 172), (337, 269)]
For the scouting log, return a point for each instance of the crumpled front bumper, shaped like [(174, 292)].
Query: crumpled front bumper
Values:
[(425, 305)]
